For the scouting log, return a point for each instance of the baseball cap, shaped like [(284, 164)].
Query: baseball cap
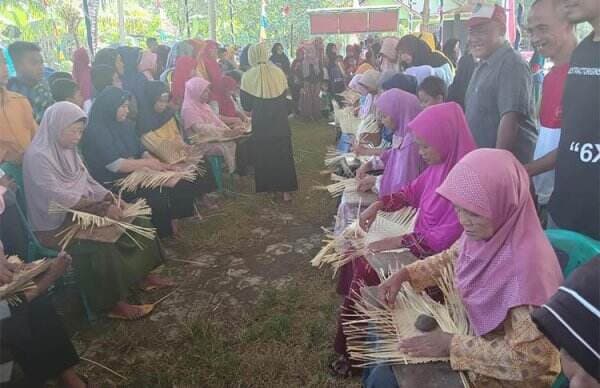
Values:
[(483, 13)]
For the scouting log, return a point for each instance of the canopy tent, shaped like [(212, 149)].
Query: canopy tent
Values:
[(384, 15)]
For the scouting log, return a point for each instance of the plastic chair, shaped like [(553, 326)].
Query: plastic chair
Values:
[(580, 249), (216, 165)]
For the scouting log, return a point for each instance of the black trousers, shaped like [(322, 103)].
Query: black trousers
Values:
[(171, 203), (35, 337)]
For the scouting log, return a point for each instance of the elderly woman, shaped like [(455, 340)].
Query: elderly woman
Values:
[(503, 267), (264, 94), (54, 173)]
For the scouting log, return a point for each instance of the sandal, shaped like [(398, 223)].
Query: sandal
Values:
[(341, 368), (146, 309), (148, 286)]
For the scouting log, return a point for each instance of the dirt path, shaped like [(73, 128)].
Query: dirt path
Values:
[(249, 310)]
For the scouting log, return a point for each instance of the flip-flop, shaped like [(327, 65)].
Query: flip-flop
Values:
[(146, 310)]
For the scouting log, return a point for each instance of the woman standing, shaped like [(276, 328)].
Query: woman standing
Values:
[(263, 94), (82, 72), (279, 58)]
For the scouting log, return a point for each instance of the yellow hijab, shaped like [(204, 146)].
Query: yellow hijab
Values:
[(263, 80)]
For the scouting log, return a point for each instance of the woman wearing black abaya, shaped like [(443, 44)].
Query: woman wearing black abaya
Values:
[(112, 149), (279, 59), (264, 94)]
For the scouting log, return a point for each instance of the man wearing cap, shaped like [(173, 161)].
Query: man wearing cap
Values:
[(498, 102), (553, 35), (571, 321), (575, 202)]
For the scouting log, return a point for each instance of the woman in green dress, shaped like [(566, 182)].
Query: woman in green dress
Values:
[(54, 173)]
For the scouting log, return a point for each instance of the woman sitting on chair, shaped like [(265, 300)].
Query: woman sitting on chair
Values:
[(54, 173), (202, 123), (503, 267), (112, 149)]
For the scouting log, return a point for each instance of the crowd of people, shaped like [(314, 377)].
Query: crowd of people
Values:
[(455, 135), (461, 139)]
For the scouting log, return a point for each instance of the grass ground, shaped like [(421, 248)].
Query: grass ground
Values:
[(250, 311)]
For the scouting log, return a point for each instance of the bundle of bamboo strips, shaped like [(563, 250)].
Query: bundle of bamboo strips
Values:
[(346, 120), (350, 97), (337, 189), (214, 137), (88, 221), (374, 331), (22, 278), (151, 179), (354, 241), (368, 125)]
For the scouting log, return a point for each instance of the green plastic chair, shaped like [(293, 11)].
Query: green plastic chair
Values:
[(580, 249), (216, 165)]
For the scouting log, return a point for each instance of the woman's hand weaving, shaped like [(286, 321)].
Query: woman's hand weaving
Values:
[(389, 289), (436, 344)]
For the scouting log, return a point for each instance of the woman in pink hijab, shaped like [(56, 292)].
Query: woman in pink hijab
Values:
[(82, 72), (504, 266), (200, 120), (401, 163), (443, 138)]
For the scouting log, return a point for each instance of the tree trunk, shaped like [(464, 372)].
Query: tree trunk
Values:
[(212, 20), (425, 15)]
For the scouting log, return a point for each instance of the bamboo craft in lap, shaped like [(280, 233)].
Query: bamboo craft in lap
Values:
[(375, 330), (151, 179), (88, 221), (354, 241), (22, 278), (170, 151)]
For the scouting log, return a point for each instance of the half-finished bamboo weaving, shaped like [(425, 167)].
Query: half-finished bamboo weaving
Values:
[(337, 189), (23, 277), (368, 125), (353, 242), (346, 120), (88, 221), (171, 151), (152, 179), (374, 331), (349, 97)]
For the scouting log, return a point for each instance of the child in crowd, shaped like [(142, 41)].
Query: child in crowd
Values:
[(66, 90), (432, 91), (29, 82)]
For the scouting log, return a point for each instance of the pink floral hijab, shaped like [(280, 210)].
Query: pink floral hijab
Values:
[(516, 266)]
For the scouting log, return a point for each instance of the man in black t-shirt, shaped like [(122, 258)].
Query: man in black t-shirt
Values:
[(575, 203)]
